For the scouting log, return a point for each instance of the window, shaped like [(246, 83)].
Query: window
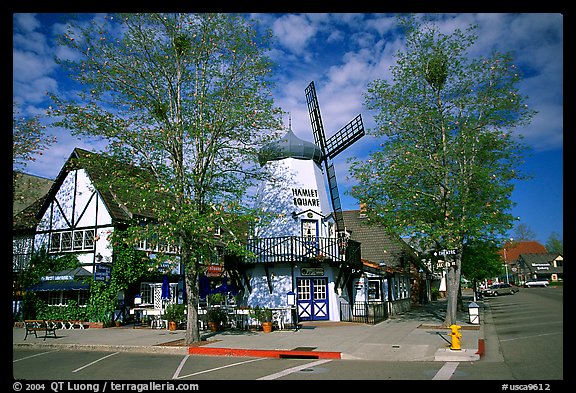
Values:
[(62, 298), (147, 293), (78, 240), (55, 241), (66, 243), (374, 292)]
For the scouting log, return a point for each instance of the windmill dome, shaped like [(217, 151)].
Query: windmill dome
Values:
[(290, 146)]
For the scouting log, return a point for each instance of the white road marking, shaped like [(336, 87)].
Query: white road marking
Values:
[(176, 376), (95, 361), (32, 356), (446, 371), (293, 370)]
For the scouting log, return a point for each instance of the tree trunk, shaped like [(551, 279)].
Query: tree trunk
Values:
[(452, 287), (191, 282)]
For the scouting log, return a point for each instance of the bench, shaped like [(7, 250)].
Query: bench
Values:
[(40, 325)]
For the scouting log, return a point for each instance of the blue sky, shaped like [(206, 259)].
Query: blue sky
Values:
[(342, 53)]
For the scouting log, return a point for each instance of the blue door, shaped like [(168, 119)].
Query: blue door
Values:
[(312, 298)]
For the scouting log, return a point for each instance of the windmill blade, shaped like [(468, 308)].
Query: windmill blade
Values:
[(315, 118), (335, 197), (349, 134)]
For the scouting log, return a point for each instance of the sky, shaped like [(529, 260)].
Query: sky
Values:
[(342, 53)]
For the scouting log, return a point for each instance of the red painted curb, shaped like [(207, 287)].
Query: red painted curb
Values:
[(481, 347), (263, 353)]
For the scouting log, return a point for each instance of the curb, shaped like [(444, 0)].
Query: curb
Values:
[(106, 347), (261, 353)]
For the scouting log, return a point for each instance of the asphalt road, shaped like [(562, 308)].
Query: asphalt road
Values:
[(528, 327)]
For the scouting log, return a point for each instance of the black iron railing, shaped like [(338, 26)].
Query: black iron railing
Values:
[(364, 312), (303, 249)]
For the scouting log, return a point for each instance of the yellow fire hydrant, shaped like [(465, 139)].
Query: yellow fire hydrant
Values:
[(456, 337)]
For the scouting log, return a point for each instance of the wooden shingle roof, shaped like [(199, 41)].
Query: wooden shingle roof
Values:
[(120, 206), (377, 246), (28, 193)]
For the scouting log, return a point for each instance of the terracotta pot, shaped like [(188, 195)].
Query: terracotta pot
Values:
[(213, 326), (172, 325), (267, 327)]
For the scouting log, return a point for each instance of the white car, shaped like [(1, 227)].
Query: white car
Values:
[(536, 283)]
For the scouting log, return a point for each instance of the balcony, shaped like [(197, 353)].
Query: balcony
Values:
[(293, 249)]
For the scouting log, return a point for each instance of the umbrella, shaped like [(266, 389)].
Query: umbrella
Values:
[(203, 286), (225, 288), (165, 288)]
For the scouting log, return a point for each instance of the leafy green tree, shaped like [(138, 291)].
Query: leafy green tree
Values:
[(444, 172), (187, 97), (28, 137), (554, 244), (480, 260)]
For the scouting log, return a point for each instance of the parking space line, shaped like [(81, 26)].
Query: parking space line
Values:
[(33, 356), (446, 371), (95, 361), (293, 370), (176, 376)]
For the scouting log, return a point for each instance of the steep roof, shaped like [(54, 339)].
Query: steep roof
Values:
[(119, 204), (514, 249), (536, 263), (28, 193), (377, 245)]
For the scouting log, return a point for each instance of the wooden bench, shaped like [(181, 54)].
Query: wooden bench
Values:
[(40, 325)]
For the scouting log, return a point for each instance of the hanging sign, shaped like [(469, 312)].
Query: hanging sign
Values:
[(214, 270), (102, 273)]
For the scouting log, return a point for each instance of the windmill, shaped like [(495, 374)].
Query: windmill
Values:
[(330, 148)]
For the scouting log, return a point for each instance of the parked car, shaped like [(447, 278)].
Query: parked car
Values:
[(541, 282), (499, 289)]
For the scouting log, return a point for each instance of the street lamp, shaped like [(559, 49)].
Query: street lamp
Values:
[(506, 262)]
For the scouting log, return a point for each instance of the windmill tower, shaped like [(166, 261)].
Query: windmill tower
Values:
[(293, 248), (330, 148)]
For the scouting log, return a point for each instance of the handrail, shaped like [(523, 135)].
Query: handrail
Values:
[(302, 248)]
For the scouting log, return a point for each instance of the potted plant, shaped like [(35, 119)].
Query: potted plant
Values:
[(216, 317), (264, 316), (174, 313)]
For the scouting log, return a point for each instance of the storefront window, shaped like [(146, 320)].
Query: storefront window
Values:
[(374, 292)]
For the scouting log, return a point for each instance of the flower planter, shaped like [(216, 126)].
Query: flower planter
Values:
[(98, 325), (267, 327)]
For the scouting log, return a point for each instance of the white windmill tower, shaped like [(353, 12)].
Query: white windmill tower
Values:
[(303, 190), (298, 247)]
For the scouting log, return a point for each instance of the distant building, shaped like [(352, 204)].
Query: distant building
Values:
[(526, 260), (537, 266)]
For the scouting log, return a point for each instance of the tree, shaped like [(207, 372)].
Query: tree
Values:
[(185, 97), (444, 172), (28, 137), (555, 245), (523, 232), (480, 260)]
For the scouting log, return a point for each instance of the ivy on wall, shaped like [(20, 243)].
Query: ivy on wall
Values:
[(128, 267)]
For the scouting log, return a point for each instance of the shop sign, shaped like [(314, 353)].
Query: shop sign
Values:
[(102, 272), (312, 271), (214, 270)]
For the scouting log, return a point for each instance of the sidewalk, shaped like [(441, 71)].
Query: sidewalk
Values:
[(416, 335)]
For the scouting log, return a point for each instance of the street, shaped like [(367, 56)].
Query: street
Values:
[(528, 347)]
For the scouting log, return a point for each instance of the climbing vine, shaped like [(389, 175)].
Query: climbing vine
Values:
[(128, 267)]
